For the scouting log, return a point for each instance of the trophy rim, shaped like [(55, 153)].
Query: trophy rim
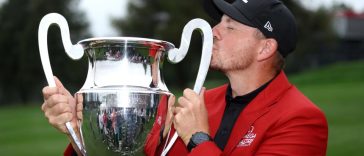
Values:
[(128, 88), (129, 39)]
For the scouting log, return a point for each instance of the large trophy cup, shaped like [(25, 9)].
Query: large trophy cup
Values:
[(124, 85)]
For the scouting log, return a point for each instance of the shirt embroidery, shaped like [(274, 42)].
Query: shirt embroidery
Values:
[(248, 138)]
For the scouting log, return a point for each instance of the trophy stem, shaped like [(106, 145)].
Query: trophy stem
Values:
[(75, 138)]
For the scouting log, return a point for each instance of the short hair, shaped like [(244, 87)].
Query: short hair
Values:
[(259, 34), (280, 62)]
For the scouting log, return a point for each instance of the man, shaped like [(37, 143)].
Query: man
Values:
[(258, 113)]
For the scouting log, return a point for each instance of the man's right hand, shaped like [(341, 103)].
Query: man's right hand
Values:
[(59, 107)]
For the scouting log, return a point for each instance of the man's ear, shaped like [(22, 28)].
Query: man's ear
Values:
[(270, 46)]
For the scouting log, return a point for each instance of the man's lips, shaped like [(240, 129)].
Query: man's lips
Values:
[(214, 47)]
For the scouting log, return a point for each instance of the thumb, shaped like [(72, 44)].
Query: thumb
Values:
[(79, 105), (202, 93), (59, 85), (58, 82)]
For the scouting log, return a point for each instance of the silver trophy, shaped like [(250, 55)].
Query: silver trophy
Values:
[(124, 84)]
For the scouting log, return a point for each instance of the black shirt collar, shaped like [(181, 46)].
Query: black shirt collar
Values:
[(244, 99)]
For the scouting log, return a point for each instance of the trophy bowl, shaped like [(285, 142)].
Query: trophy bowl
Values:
[(121, 94)]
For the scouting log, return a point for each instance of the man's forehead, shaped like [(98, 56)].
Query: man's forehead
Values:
[(228, 19), (233, 22)]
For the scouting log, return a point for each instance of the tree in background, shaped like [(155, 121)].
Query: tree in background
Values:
[(315, 34), (164, 19), (22, 76)]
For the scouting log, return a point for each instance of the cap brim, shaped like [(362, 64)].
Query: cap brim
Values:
[(216, 8)]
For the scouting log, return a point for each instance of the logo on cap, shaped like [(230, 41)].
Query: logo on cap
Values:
[(268, 26), (245, 1)]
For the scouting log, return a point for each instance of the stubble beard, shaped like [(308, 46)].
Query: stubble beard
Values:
[(235, 63)]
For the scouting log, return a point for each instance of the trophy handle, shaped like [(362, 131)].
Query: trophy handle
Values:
[(176, 55), (73, 51)]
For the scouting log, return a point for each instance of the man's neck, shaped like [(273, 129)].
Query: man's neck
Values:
[(244, 82)]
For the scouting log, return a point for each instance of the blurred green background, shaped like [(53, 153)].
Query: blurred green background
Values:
[(328, 65), (337, 89)]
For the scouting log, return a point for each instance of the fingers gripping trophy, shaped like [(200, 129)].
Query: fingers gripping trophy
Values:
[(123, 86)]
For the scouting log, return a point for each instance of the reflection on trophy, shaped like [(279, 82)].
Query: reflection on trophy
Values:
[(116, 122), (124, 84)]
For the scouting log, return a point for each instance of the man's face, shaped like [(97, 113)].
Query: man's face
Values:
[(235, 45)]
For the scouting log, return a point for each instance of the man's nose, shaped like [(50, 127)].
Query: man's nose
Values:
[(216, 32)]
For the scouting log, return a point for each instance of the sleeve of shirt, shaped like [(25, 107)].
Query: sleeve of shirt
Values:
[(152, 141), (69, 151)]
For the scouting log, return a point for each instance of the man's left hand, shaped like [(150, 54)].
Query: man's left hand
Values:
[(191, 115)]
